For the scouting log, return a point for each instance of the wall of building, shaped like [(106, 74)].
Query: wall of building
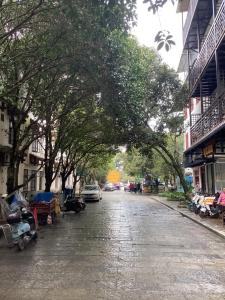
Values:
[(32, 162), (195, 108), (3, 179), (4, 127)]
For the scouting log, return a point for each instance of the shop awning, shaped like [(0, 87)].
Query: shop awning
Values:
[(198, 162)]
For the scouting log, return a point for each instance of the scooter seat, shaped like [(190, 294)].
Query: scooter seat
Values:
[(13, 219)]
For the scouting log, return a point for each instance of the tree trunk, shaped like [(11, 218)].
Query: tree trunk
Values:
[(171, 160), (12, 176), (74, 182), (48, 178), (64, 178), (47, 186)]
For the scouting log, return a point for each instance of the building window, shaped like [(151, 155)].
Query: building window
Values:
[(40, 180), (25, 179), (33, 181), (35, 146)]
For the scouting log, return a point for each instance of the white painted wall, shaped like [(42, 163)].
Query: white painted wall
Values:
[(56, 185)]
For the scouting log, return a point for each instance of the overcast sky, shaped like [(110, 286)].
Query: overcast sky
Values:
[(149, 24)]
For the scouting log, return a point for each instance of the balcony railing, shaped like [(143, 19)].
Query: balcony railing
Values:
[(213, 39), (190, 15), (195, 118), (212, 118)]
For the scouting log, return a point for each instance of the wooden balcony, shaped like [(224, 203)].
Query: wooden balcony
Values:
[(209, 121), (190, 15), (212, 41)]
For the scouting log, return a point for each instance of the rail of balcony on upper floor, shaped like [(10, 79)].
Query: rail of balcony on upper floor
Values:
[(191, 11), (212, 41), (212, 118)]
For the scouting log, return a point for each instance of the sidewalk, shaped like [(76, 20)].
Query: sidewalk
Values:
[(214, 225)]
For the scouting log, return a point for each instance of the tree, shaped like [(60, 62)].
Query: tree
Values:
[(133, 163), (57, 66), (146, 90), (148, 140), (51, 53), (154, 5), (96, 162)]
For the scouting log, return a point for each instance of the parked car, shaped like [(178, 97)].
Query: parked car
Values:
[(109, 187), (91, 192)]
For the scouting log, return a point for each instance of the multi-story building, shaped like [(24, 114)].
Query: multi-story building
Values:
[(32, 162), (5, 146), (203, 62)]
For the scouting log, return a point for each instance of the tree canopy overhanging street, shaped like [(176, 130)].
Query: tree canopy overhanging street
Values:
[(78, 80), (112, 168)]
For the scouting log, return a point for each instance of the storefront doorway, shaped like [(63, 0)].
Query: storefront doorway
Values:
[(203, 180), (210, 178)]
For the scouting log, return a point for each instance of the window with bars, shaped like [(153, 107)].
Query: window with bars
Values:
[(35, 146)]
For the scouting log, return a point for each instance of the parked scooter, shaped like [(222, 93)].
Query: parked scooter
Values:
[(72, 203), (22, 225), (195, 205), (208, 207)]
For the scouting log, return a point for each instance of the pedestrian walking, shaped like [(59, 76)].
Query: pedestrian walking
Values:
[(138, 187), (135, 187)]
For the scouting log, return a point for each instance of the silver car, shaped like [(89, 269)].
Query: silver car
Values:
[(91, 192)]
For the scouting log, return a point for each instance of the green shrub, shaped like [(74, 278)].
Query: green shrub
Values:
[(173, 196)]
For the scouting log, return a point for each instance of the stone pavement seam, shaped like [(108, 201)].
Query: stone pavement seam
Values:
[(211, 228)]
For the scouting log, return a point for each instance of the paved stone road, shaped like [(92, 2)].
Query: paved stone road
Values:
[(125, 247)]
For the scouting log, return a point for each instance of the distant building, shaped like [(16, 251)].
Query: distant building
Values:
[(31, 164), (203, 63)]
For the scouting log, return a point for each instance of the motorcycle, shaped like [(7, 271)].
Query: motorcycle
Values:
[(194, 205), (209, 208), (22, 227), (71, 203)]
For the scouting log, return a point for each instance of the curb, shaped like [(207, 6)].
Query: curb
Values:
[(210, 228)]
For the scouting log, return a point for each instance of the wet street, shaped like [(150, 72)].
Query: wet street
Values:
[(124, 247)]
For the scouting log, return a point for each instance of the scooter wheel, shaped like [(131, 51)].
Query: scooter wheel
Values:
[(202, 215), (20, 245), (35, 236)]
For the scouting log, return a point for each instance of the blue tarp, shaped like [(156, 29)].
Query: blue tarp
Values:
[(43, 197)]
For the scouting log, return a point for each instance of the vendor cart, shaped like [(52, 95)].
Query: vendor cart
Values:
[(45, 205)]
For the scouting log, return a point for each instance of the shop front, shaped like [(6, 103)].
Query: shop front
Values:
[(208, 163)]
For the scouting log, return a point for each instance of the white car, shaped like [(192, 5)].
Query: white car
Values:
[(91, 192)]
